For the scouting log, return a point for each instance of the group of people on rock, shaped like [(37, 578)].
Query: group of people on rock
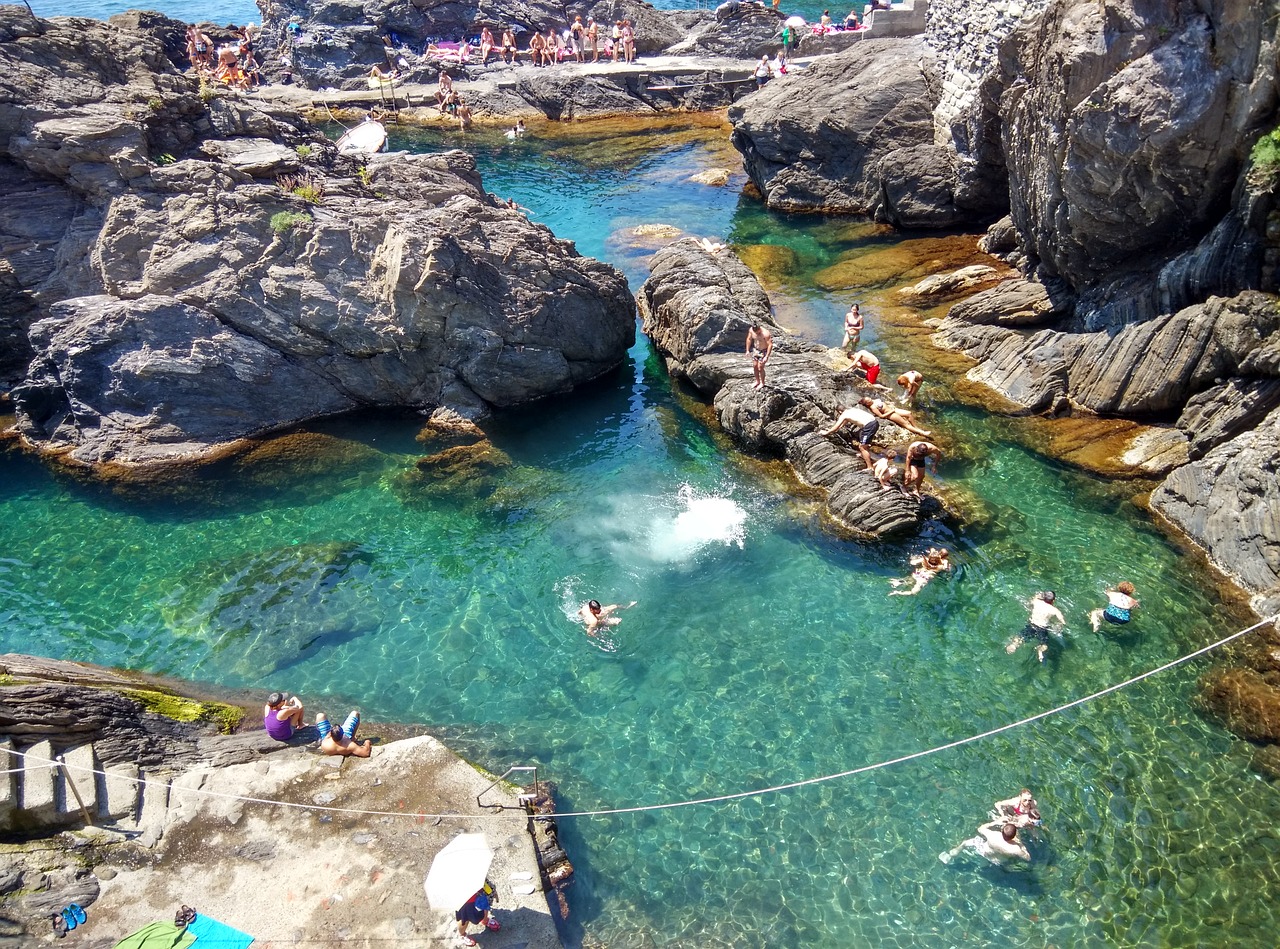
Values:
[(579, 41), (234, 64)]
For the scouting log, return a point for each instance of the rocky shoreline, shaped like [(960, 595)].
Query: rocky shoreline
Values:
[(177, 764)]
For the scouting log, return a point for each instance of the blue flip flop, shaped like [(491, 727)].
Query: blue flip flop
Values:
[(69, 918), (78, 914)]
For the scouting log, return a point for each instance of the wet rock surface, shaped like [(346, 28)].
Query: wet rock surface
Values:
[(697, 307)]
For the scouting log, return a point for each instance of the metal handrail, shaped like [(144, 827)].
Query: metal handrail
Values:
[(525, 800)]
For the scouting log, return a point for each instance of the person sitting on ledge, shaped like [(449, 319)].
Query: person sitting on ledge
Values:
[(342, 740), (282, 715)]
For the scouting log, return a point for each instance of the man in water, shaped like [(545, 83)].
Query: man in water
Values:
[(866, 424), (1039, 626), (759, 348), (594, 615), (997, 842)]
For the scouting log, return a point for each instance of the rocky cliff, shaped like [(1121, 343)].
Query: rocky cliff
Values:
[(697, 307), (205, 268)]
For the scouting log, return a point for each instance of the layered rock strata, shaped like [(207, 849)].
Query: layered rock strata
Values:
[(212, 269), (697, 307)]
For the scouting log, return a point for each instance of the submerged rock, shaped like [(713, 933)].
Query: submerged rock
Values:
[(697, 307)]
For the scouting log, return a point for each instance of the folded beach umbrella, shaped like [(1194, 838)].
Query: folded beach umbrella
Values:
[(458, 872)]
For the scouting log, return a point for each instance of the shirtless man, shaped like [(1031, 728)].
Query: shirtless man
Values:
[(853, 324), (1040, 625), (910, 380), (917, 452), (866, 424), (444, 92), (594, 615), (997, 842), (537, 48), (759, 348), (508, 47), (865, 364), (593, 39), (900, 417), (342, 741)]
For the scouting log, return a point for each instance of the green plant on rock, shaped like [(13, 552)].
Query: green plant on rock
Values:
[(1264, 162), (365, 176), (306, 187), (207, 92), (165, 159), (155, 103), (286, 221), (304, 151), (180, 709)]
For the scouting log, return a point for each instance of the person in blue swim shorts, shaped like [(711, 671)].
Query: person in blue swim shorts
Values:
[(342, 740), (1119, 608)]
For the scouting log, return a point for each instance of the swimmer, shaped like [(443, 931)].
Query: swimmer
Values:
[(1021, 810), (594, 615), (997, 842), (1119, 609), (928, 566), (1039, 626)]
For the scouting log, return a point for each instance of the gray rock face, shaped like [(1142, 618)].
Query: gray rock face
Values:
[(1148, 369), (1124, 125), (697, 307), (243, 285), (1228, 502), (852, 133)]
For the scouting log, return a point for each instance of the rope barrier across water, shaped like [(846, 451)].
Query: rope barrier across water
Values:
[(717, 799)]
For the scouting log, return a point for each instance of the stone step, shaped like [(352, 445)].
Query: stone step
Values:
[(78, 776), (8, 782), (153, 812), (120, 794), (37, 785)]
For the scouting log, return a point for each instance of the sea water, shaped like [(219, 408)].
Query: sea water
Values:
[(763, 651)]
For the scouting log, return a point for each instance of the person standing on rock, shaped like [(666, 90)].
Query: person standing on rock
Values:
[(763, 71), (282, 716), (476, 910), (593, 39), (759, 348), (578, 33), (911, 382), (917, 454), (342, 740), (616, 50), (867, 426)]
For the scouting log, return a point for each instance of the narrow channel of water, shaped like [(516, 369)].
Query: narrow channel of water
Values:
[(761, 650)]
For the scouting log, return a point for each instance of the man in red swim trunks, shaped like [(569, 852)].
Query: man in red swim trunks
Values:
[(865, 363)]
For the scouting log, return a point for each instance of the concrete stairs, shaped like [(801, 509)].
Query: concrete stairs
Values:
[(37, 797)]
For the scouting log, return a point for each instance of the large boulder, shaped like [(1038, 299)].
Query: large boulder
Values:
[(1125, 125), (251, 278), (853, 133), (697, 307)]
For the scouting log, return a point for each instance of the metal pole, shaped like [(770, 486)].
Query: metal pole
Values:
[(66, 777)]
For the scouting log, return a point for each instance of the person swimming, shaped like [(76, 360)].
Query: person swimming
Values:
[(1119, 608), (933, 562)]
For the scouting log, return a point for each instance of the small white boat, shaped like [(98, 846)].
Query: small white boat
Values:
[(367, 138)]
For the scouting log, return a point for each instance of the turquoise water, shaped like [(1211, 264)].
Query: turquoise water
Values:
[(761, 650)]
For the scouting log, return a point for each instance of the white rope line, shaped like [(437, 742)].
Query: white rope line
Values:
[(721, 798)]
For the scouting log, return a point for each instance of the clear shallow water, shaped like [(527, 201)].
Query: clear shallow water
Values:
[(761, 650)]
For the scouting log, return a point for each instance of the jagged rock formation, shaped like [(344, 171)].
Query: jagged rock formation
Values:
[(211, 268), (853, 133), (697, 307)]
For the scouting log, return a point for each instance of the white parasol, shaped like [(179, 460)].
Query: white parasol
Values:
[(458, 871), (795, 22)]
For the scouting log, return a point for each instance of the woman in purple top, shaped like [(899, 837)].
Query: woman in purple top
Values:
[(281, 716)]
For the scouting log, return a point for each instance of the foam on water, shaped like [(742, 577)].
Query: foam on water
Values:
[(702, 521)]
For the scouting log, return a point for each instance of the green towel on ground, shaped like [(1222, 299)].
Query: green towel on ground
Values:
[(158, 935)]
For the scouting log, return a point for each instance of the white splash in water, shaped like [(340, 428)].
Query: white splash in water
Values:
[(702, 521)]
